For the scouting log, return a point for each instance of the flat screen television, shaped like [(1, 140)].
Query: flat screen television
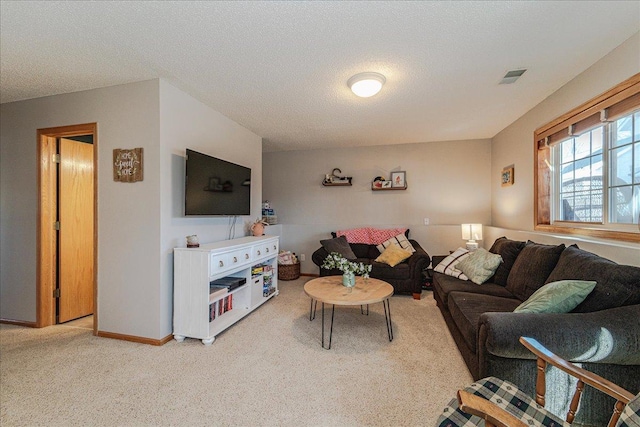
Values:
[(216, 187)]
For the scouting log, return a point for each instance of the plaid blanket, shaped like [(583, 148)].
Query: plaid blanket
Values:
[(505, 395), (369, 235), (630, 417)]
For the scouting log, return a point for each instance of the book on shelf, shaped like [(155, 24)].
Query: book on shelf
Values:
[(221, 306), (213, 310), (215, 291)]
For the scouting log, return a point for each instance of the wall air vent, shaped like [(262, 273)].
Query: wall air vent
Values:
[(512, 76)]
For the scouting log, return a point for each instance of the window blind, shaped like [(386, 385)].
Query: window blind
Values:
[(605, 108)]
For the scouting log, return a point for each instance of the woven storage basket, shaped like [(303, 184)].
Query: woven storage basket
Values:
[(288, 271)]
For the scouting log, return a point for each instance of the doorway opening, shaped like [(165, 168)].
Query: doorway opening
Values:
[(67, 225)]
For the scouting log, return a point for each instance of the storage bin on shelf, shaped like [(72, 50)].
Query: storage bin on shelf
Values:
[(288, 271), (270, 219)]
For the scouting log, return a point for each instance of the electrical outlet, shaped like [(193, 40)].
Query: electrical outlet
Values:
[(426, 221), (302, 257)]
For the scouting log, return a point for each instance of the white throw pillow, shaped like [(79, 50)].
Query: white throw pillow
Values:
[(399, 240), (448, 265)]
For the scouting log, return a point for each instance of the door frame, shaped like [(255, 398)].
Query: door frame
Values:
[(46, 244)]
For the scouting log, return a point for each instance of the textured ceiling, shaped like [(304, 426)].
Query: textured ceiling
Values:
[(280, 68)]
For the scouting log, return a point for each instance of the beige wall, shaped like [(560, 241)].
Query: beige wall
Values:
[(512, 207), (448, 182), (187, 123), (139, 223), (128, 220)]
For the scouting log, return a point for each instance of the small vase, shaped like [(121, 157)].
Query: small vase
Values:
[(257, 229), (349, 280)]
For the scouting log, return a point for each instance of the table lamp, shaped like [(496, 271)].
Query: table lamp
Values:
[(471, 233)]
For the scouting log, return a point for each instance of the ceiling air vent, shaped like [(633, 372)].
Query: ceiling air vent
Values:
[(512, 76)]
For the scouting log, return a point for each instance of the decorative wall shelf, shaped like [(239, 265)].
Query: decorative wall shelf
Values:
[(387, 188), (333, 180), (398, 181), (336, 184)]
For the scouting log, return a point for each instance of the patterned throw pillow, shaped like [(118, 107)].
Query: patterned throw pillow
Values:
[(393, 255), (479, 265), (448, 265), (399, 240)]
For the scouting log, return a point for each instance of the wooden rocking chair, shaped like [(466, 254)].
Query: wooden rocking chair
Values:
[(500, 403)]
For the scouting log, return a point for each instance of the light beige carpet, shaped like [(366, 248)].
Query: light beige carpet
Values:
[(267, 370)]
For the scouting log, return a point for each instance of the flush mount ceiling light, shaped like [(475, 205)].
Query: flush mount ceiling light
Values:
[(366, 84)]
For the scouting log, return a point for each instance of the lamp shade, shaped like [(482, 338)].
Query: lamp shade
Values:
[(366, 84), (472, 231)]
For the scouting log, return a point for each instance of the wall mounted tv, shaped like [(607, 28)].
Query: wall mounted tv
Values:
[(216, 187)]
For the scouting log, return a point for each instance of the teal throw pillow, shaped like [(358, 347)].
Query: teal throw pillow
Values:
[(557, 297), (479, 265)]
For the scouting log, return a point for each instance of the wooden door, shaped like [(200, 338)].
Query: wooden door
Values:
[(75, 213)]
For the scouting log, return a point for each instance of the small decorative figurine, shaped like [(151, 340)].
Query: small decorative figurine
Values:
[(192, 241)]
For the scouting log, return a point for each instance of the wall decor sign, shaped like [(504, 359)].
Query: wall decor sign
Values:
[(127, 165), (506, 177)]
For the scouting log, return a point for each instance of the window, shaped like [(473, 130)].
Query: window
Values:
[(588, 168), (578, 174), (581, 166), (624, 184)]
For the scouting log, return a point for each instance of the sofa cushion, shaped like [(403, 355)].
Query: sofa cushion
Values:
[(466, 308), (617, 285), (531, 268), (443, 285), (339, 245), (393, 255), (448, 265), (363, 250), (399, 240), (557, 297), (479, 265), (384, 271), (509, 251)]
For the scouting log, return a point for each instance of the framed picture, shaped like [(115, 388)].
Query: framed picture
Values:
[(386, 184), (398, 179), (506, 177)]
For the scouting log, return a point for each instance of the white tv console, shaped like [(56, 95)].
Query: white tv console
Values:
[(203, 314)]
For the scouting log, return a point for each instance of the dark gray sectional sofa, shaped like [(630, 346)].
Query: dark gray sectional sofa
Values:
[(602, 333)]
